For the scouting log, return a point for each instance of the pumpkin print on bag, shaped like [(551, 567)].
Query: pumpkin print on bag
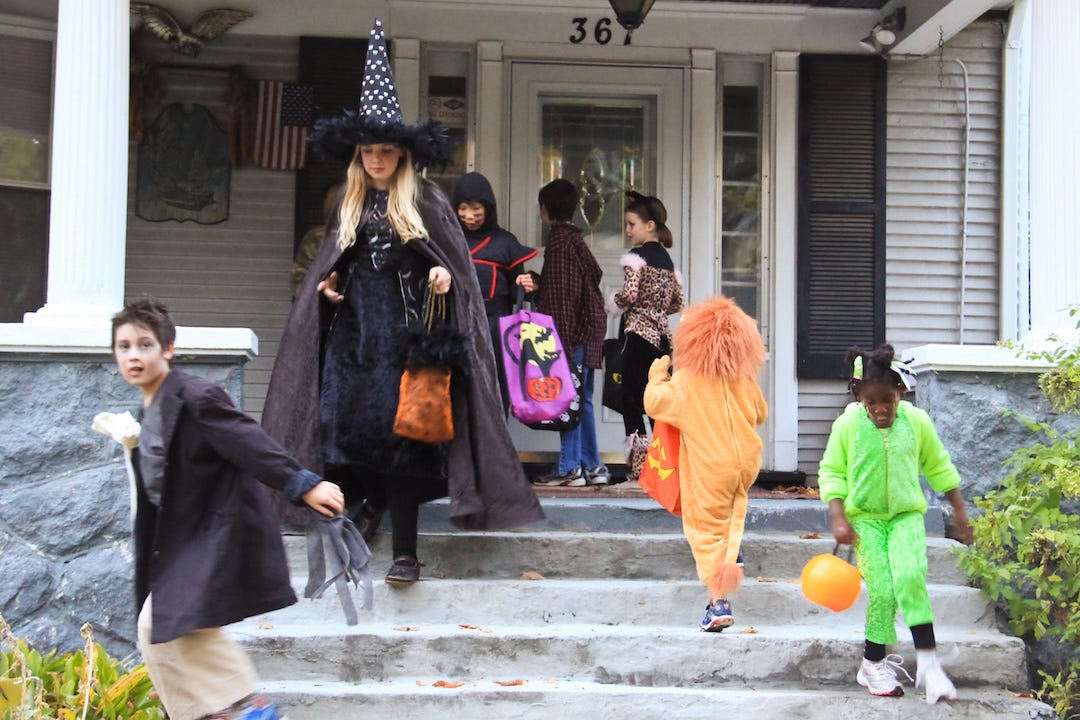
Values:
[(544, 389)]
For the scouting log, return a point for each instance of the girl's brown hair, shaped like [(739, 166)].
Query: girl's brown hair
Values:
[(649, 208)]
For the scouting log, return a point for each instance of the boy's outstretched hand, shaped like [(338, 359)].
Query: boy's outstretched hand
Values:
[(325, 498)]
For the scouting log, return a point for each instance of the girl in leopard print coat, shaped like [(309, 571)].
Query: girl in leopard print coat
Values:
[(652, 290)]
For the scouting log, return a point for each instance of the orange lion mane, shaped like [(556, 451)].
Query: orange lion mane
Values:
[(719, 341)]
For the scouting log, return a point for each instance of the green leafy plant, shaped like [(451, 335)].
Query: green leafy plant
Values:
[(1026, 550), (84, 685)]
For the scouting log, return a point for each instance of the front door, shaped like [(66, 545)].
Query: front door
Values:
[(607, 129)]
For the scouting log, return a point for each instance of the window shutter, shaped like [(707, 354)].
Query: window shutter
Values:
[(841, 258), (335, 68)]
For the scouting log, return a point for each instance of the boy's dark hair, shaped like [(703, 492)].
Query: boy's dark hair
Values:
[(874, 366), (649, 207), (150, 314), (559, 198)]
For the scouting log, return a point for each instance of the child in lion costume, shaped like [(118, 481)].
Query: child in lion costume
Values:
[(714, 399)]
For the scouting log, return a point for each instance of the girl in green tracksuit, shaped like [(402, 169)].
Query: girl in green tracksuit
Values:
[(869, 476)]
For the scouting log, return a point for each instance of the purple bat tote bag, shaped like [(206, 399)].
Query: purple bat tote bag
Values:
[(538, 377)]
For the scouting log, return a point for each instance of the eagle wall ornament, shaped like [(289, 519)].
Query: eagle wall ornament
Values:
[(210, 25)]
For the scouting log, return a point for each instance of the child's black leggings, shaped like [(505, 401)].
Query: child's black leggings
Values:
[(637, 358)]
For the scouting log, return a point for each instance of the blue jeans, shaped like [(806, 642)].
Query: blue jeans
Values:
[(579, 449)]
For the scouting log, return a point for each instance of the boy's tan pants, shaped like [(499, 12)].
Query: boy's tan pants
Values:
[(197, 674)]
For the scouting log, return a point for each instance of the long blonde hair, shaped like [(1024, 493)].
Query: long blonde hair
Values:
[(401, 207)]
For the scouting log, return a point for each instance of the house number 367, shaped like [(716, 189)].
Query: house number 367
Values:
[(601, 30)]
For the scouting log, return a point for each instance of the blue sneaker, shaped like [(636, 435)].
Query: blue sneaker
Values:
[(253, 707), (717, 616)]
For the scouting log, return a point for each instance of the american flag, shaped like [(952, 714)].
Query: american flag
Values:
[(282, 119)]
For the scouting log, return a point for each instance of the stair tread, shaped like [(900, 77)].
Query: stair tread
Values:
[(419, 698), (264, 627)]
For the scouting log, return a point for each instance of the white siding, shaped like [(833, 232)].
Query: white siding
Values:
[(924, 186), (234, 273), (924, 182)]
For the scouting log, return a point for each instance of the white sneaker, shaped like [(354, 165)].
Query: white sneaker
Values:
[(880, 677), (598, 475), (931, 675)]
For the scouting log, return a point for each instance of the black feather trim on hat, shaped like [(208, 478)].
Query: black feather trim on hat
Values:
[(337, 138)]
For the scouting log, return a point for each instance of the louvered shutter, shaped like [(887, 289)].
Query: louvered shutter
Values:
[(841, 263), (335, 67)]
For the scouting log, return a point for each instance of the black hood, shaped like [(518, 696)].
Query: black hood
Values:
[(474, 187)]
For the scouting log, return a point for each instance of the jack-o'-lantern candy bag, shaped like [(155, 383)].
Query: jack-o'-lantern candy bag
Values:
[(538, 376), (660, 472)]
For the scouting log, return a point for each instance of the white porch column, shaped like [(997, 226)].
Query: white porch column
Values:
[(88, 212), (703, 247), (1055, 156), (783, 214), (492, 159)]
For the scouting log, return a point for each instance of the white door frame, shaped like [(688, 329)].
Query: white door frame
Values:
[(529, 80)]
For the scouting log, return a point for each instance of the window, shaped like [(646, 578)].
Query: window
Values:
[(25, 121), (447, 97), (740, 203)]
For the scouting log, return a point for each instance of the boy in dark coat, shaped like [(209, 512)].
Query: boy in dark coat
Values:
[(208, 549)]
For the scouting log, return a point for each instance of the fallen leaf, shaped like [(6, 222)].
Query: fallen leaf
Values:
[(810, 536), (765, 579), (749, 631), (531, 575), (468, 627), (406, 628), (446, 684), (266, 626), (421, 684), (509, 683)]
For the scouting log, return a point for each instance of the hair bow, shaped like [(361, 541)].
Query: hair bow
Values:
[(906, 374)]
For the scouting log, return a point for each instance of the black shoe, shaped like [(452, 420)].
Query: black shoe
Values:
[(367, 519), (404, 571)]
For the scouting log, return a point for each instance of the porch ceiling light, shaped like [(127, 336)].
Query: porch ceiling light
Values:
[(883, 34), (630, 14)]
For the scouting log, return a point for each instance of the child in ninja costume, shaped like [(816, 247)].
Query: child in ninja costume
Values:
[(713, 398), (869, 476)]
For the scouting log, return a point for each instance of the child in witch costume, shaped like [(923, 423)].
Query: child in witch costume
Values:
[(869, 476), (714, 399), (208, 548), (333, 392)]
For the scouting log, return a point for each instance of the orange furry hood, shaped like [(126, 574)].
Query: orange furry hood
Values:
[(717, 340)]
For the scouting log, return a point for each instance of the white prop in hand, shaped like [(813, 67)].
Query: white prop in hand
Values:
[(124, 429)]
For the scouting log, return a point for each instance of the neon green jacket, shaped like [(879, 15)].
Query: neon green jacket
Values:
[(877, 475)]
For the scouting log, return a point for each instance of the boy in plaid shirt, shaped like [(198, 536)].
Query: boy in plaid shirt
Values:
[(568, 289)]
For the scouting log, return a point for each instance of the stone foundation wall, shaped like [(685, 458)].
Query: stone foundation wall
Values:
[(65, 529), (969, 410)]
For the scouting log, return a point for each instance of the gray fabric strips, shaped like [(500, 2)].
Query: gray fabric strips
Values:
[(338, 554)]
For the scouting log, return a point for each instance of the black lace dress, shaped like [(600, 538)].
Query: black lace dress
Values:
[(383, 282)]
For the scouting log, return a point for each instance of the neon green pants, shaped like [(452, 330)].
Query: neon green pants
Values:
[(892, 559)]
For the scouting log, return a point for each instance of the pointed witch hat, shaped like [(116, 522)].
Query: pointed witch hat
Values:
[(378, 118)]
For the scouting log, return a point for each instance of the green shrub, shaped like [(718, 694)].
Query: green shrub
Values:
[(83, 685), (1026, 552)]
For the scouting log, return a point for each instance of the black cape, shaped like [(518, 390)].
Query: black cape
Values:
[(488, 489)]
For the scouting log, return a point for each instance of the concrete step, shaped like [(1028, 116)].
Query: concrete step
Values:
[(545, 700), (677, 603), (562, 554), (611, 513), (624, 655)]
